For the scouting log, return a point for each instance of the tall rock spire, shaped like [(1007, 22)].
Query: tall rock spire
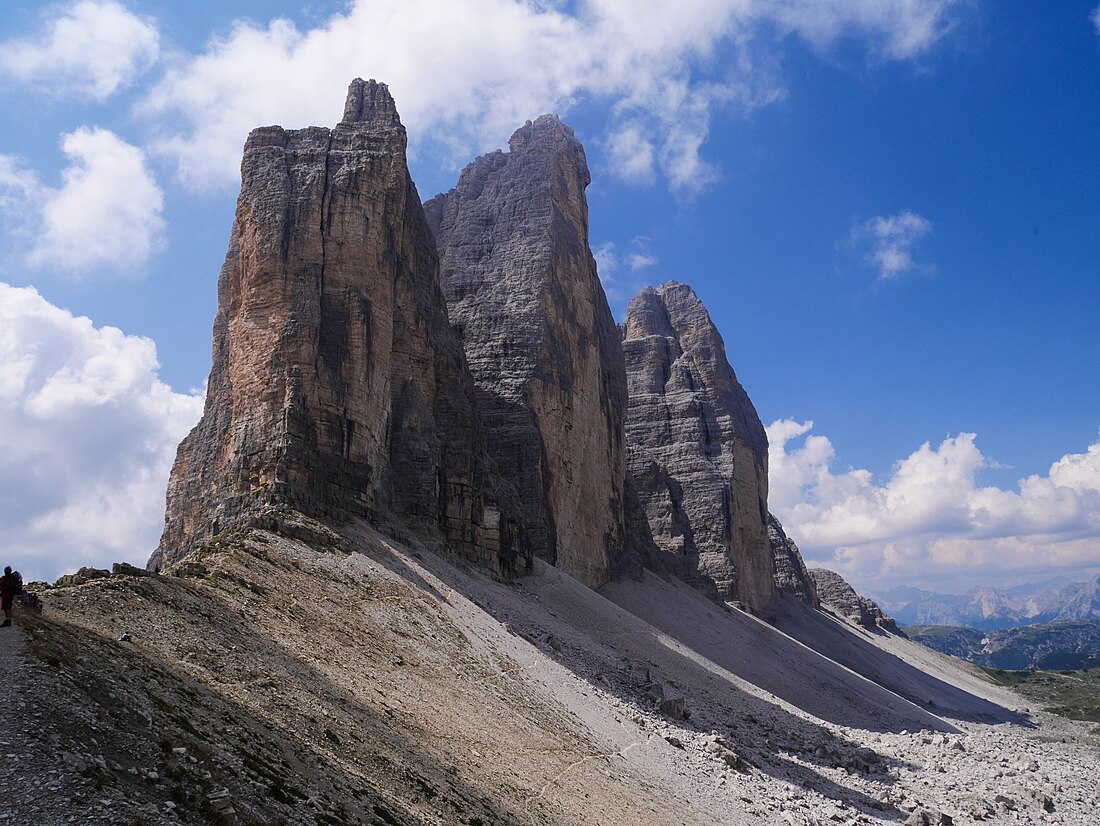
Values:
[(338, 386), (697, 450), (522, 288)]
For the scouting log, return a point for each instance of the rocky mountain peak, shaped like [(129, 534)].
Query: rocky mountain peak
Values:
[(647, 316), (834, 591), (696, 448), (546, 133), (369, 101), (338, 388), (522, 288)]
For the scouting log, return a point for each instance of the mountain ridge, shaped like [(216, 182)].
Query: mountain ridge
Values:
[(390, 593), (989, 609)]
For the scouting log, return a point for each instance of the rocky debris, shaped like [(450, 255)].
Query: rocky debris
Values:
[(309, 683), (673, 708), (791, 575), (80, 577), (696, 448), (724, 751), (523, 292), (338, 387), (928, 817), (189, 568), (126, 569), (835, 592)]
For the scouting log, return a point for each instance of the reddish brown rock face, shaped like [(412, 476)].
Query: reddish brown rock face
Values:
[(697, 450), (338, 386), (543, 348)]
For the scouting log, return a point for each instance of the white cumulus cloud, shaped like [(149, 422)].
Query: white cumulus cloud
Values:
[(1095, 17), (106, 213), (87, 437), (466, 74), (899, 30), (89, 48), (889, 241), (931, 519)]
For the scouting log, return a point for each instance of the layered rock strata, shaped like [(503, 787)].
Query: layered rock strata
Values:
[(791, 575), (696, 448), (338, 386), (834, 591), (542, 345)]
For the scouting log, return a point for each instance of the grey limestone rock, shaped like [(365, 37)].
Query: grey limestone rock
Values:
[(338, 386), (697, 451), (523, 292), (791, 575), (85, 574), (835, 592)]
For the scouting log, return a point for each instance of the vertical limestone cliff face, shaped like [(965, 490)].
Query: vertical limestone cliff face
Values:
[(791, 575), (697, 451), (522, 289), (338, 386)]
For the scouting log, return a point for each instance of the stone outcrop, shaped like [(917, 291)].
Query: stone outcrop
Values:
[(834, 591), (696, 448), (338, 386), (542, 345), (791, 574)]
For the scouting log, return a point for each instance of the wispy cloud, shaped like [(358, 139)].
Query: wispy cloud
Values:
[(607, 262), (887, 242), (610, 263), (660, 68), (106, 213), (931, 519), (87, 437), (90, 48), (1095, 17), (641, 256)]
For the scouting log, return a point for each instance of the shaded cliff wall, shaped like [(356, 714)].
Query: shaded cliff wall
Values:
[(791, 575), (523, 292)]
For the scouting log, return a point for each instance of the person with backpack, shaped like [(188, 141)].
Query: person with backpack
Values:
[(11, 585)]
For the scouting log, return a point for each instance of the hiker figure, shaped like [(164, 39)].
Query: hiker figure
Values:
[(11, 583)]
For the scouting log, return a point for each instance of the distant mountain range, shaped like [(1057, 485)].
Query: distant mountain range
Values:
[(1044, 646), (992, 609)]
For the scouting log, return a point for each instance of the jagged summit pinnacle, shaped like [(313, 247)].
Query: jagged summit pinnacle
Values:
[(545, 128), (369, 101)]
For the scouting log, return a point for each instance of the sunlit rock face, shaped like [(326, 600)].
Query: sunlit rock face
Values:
[(523, 292), (696, 448), (338, 386)]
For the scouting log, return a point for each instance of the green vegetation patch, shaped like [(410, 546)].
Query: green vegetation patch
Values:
[(1072, 694)]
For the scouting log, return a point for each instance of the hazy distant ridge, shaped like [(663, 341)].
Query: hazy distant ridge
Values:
[(990, 609)]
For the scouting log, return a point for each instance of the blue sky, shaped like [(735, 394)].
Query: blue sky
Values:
[(888, 206)]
